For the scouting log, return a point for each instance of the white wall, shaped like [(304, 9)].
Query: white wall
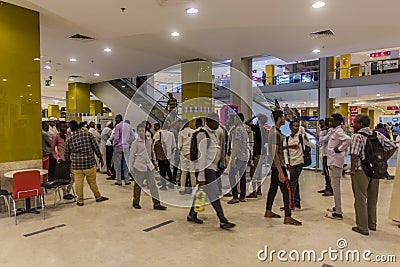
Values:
[(120, 104)]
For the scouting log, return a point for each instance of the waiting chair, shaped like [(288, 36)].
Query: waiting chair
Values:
[(26, 184), (5, 195)]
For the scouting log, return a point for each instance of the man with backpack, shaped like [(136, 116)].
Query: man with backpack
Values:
[(297, 156), (207, 150), (369, 152)]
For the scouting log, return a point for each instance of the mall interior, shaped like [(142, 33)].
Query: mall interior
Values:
[(91, 60)]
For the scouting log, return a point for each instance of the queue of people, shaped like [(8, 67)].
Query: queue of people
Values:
[(201, 156)]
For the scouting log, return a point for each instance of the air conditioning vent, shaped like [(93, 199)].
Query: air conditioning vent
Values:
[(173, 2), (81, 38), (74, 76), (321, 34)]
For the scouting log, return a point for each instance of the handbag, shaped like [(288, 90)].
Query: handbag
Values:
[(306, 152)]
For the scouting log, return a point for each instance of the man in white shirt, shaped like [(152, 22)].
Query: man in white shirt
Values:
[(97, 137), (168, 143), (105, 135), (52, 126), (184, 141), (142, 166), (294, 158), (210, 152), (323, 143), (338, 142)]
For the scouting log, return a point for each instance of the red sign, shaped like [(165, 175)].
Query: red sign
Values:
[(353, 110), (393, 108), (380, 54)]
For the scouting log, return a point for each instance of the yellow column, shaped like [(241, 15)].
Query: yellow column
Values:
[(371, 116), (344, 110), (331, 106), (345, 61), (332, 68), (270, 72), (364, 111), (356, 70), (53, 111), (78, 101), (196, 89), (20, 94), (96, 107)]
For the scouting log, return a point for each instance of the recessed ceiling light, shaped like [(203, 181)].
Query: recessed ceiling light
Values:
[(37, 102), (305, 103), (47, 67), (4, 80), (29, 99), (175, 34), (376, 103), (96, 74), (357, 100), (72, 59), (21, 96), (381, 97), (318, 4), (36, 59), (192, 10), (378, 94), (315, 51), (123, 86), (52, 84), (71, 79), (29, 85), (107, 49), (30, 94)]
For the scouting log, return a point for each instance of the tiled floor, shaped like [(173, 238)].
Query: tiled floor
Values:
[(111, 233)]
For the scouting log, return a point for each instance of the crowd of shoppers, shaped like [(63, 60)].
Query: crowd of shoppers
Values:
[(197, 154)]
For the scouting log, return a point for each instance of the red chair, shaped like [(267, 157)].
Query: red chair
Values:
[(46, 165), (26, 184)]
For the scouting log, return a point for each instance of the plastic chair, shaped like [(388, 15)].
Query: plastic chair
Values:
[(4, 194), (26, 184), (46, 165)]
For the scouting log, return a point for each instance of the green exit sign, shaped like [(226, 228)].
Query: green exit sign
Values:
[(47, 82)]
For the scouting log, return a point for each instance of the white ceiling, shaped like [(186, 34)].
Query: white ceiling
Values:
[(224, 29)]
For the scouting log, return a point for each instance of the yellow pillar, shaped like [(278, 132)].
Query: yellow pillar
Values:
[(53, 111), (356, 70), (364, 111), (270, 72), (344, 110), (371, 116), (331, 106), (332, 68), (96, 107), (78, 103), (345, 61), (20, 94), (196, 89)]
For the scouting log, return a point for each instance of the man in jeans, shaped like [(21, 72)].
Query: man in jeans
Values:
[(338, 142), (295, 160), (210, 152), (279, 177), (82, 146), (365, 189), (239, 159), (123, 138)]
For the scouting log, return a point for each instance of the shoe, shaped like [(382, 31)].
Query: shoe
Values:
[(163, 188), (270, 214), (322, 191), (228, 195), (128, 183), (327, 194), (331, 209), (252, 195), (137, 206), (118, 184), (358, 230), (242, 200), (233, 201), (110, 178), (291, 221), (131, 179), (160, 207), (68, 196), (100, 199), (298, 206), (259, 191), (195, 220), (372, 228), (182, 192), (226, 225), (283, 208), (79, 204), (336, 216)]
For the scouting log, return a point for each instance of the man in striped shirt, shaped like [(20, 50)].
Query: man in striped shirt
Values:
[(82, 146)]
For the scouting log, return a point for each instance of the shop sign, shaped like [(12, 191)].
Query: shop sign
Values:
[(353, 110), (380, 54), (393, 108), (309, 118)]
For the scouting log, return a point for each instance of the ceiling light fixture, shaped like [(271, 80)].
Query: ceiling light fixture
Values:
[(315, 51), (378, 94), (47, 67), (175, 34), (381, 97), (4, 79), (123, 86), (96, 74), (192, 10), (107, 49), (52, 84), (318, 4), (29, 85), (73, 60), (71, 79), (36, 59)]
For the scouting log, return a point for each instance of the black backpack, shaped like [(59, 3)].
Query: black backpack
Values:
[(375, 164), (306, 151), (194, 150)]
